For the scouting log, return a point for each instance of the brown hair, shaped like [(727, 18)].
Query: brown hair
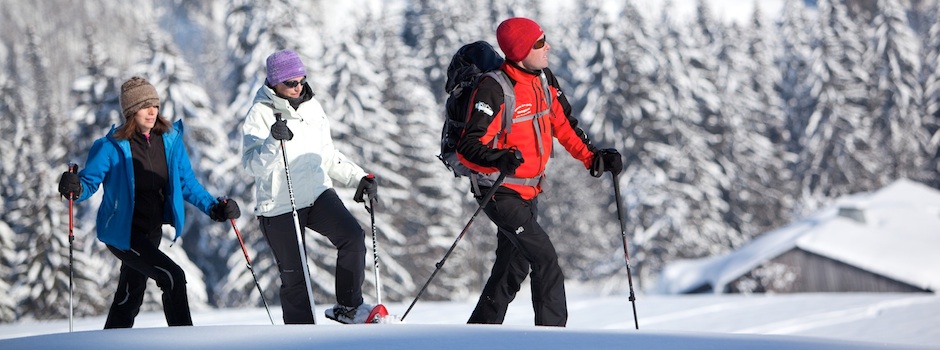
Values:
[(124, 132)]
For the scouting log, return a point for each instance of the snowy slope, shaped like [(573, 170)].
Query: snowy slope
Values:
[(798, 321), (412, 337)]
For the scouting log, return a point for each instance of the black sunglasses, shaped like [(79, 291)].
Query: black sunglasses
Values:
[(293, 83), (539, 44)]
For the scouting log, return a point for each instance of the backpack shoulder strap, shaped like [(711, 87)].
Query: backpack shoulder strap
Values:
[(509, 98), (547, 89)]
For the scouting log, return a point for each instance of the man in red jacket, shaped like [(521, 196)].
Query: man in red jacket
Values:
[(541, 112)]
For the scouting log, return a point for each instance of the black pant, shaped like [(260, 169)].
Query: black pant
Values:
[(521, 244), (144, 259), (329, 217)]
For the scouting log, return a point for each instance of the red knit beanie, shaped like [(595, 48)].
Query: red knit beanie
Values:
[(516, 36)]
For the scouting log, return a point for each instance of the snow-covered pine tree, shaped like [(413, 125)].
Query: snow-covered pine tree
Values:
[(363, 129), (746, 152), (431, 32), (796, 89), (682, 163), (593, 60), (208, 243), (7, 259), (931, 85), (41, 284), (895, 99), (639, 109), (8, 253), (253, 32), (740, 147), (764, 48), (432, 46), (433, 29), (161, 64), (836, 155), (96, 110), (425, 200)]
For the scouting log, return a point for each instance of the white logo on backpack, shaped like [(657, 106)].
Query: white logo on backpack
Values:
[(483, 107)]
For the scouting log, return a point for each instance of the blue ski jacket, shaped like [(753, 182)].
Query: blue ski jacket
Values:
[(110, 162)]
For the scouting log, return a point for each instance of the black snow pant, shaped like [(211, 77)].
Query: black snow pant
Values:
[(145, 260), (521, 244), (329, 217)]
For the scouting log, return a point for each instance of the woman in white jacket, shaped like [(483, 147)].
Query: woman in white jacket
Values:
[(284, 110)]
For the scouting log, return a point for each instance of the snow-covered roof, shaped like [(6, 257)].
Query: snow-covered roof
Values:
[(893, 232)]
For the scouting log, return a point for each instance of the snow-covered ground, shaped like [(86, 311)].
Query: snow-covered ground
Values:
[(795, 321)]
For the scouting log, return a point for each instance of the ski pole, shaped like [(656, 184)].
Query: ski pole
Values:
[(248, 263), (486, 200), (626, 253), (300, 237), (73, 168), (375, 251)]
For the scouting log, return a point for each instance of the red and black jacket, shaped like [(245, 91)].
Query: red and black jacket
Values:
[(533, 137)]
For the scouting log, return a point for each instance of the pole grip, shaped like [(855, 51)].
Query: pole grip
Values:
[(360, 192)]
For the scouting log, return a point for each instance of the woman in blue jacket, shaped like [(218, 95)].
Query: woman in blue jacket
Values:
[(147, 175)]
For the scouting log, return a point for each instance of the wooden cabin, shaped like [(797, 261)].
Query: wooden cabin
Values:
[(884, 241)]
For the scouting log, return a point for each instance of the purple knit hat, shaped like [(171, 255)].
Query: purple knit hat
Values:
[(282, 66)]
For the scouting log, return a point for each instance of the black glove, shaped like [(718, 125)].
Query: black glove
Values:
[(606, 160), (280, 131), (367, 186), (509, 161), (225, 209), (69, 184)]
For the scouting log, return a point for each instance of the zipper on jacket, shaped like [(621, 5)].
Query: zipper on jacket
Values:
[(114, 208)]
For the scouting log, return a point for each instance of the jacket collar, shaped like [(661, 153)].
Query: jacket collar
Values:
[(266, 95), (521, 75), (176, 128)]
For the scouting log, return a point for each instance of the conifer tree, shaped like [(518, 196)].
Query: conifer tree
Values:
[(180, 99), (931, 87), (762, 186), (41, 284), (96, 110), (898, 126), (254, 32), (834, 146), (8, 254)]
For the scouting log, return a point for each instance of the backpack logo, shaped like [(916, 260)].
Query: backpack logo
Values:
[(485, 108)]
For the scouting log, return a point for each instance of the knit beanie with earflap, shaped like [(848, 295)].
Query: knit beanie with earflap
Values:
[(137, 94), (516, 36)]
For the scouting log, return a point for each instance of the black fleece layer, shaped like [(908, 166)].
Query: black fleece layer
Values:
[(150, 178)]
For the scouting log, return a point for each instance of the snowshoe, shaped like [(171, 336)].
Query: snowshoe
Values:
[(362, 314)]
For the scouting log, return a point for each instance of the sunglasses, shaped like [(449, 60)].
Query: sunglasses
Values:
[(293, 83), (539, 44)]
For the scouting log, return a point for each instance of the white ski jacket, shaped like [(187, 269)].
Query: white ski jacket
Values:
[(314, 161)]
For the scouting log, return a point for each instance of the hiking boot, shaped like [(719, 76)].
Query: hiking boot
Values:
[(349, 314)]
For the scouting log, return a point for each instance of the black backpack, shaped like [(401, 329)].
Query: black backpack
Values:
[(468, 66)]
